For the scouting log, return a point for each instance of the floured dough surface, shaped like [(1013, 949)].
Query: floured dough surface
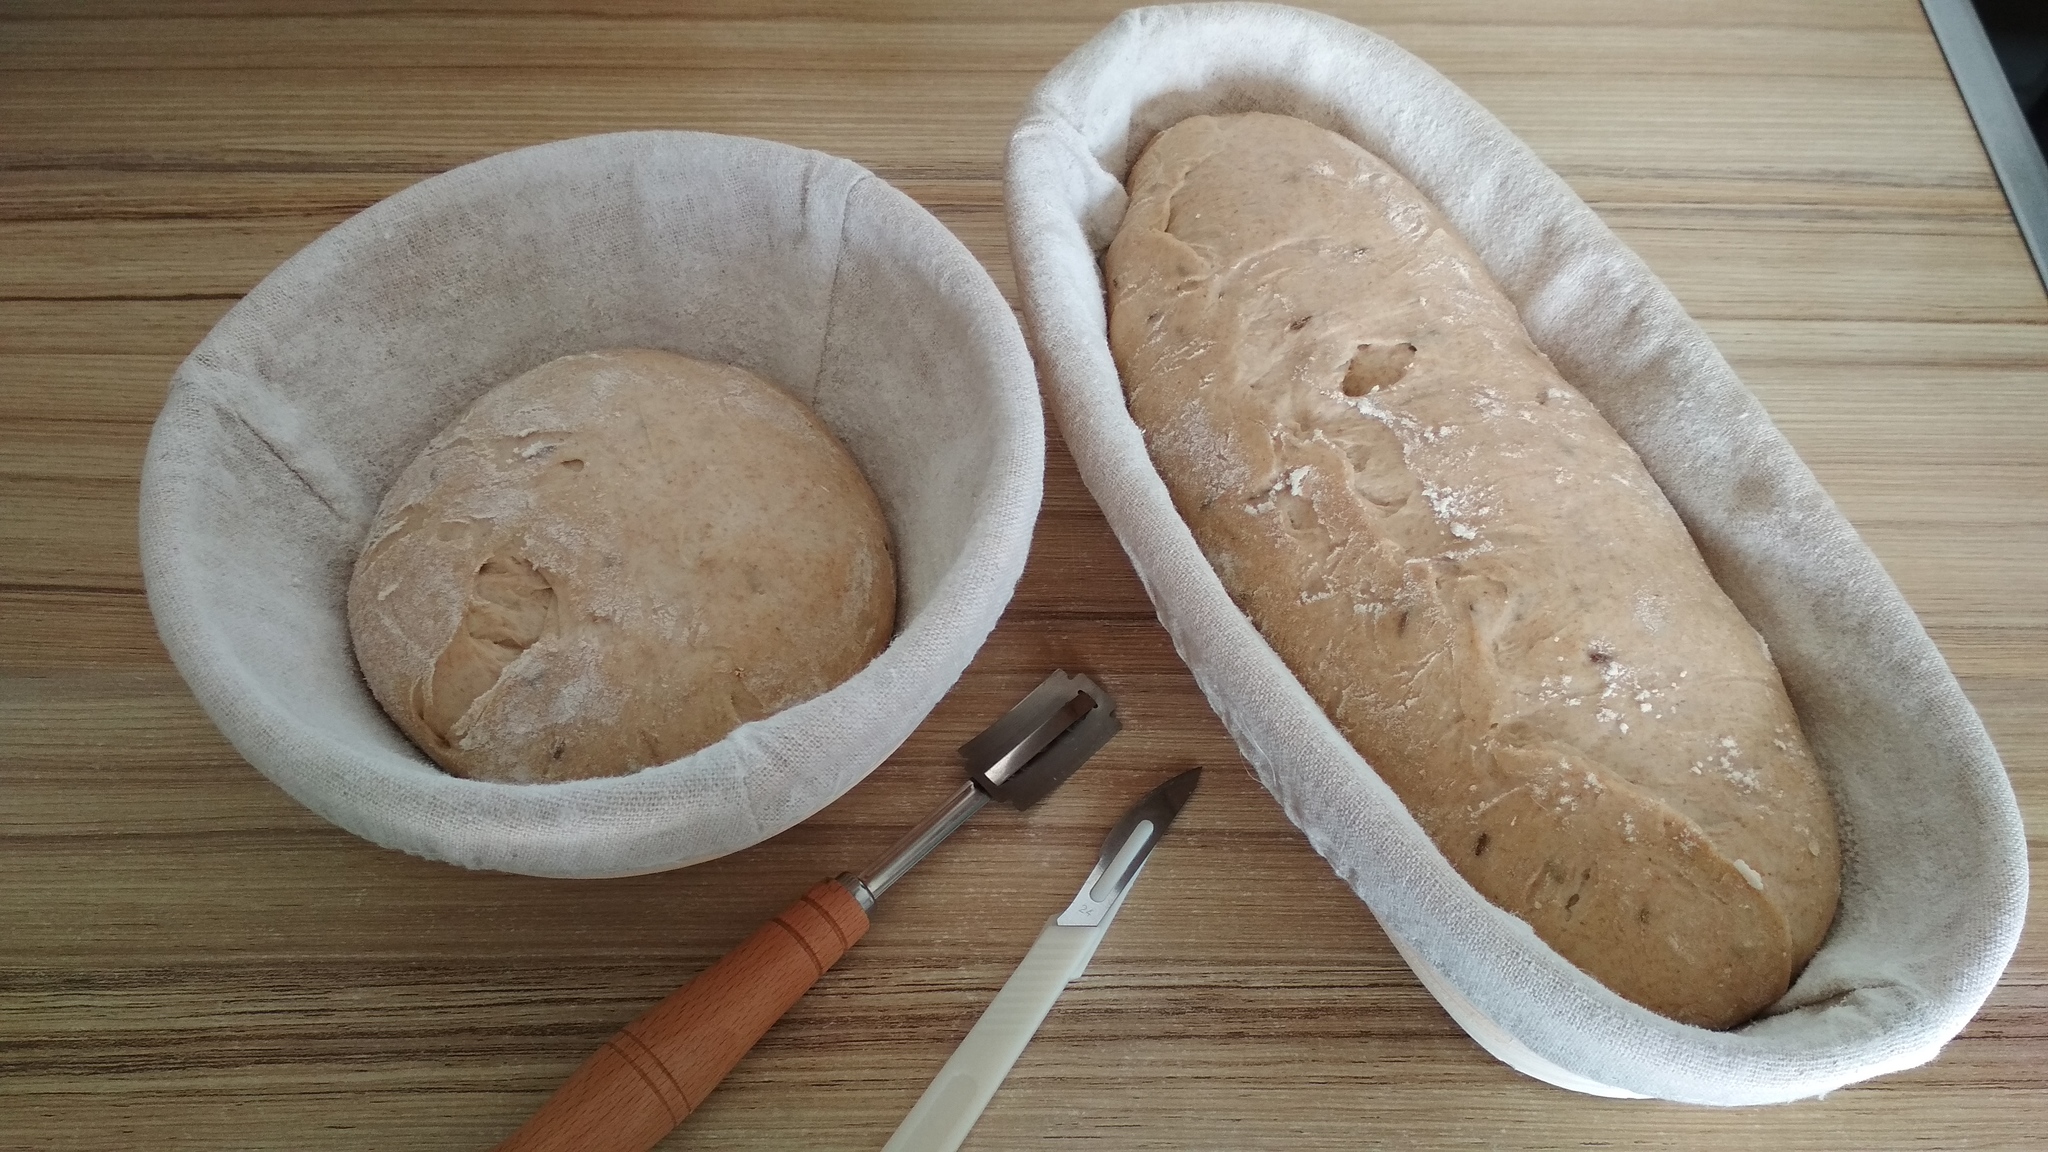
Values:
[(1466, 566), (612, 561)]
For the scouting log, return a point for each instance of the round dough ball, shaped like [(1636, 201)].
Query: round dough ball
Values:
[(612, 561)]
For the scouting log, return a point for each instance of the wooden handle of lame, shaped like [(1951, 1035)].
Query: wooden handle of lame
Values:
[(658, 1069)]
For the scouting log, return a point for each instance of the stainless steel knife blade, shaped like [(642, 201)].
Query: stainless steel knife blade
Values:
[(1126, 848)]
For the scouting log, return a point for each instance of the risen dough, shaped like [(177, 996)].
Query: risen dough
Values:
[(1466, 567), (611, 562)]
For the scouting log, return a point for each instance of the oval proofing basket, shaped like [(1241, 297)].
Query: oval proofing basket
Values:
[(1935, 864), (288, 422)]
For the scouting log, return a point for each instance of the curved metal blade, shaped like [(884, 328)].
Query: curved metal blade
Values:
[(1040, 742), (1126, 848)]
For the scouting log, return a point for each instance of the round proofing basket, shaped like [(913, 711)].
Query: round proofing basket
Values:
[(285, 426), (1935, 869)]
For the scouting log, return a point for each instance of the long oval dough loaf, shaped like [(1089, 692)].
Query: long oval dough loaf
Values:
[(1466, 567), (612, 561)]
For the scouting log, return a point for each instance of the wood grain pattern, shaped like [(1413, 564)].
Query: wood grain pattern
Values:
[(190, 960), (651, 1074)]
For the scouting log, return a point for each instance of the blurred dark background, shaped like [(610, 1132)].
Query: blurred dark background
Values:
[(2018, 30)]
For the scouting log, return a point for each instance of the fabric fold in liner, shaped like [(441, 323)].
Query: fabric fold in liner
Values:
[(285, 426)]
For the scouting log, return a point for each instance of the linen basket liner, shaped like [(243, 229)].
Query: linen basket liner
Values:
[(1935, 873), (288, 422)]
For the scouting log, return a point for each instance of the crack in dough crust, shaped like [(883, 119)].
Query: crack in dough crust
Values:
[(613, 561)]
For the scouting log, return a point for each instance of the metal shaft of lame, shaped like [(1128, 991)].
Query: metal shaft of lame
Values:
[(916, 844)]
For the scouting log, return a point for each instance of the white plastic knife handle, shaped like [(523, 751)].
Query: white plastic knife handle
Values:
[(948, 1109)]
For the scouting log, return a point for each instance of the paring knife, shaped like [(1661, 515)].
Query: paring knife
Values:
[(948, 1109)]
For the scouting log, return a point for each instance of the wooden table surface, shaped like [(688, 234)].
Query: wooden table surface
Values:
[(190, 960)]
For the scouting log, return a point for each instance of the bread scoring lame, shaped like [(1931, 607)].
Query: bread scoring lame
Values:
[(1466, 567)]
